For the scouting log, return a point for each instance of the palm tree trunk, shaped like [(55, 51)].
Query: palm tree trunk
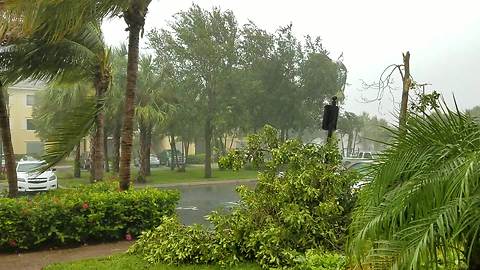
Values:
[(98, 154), (148, 138), (141, 177), (116, 149), (7, 145), (134, 18), (76, 163), (105, 151)]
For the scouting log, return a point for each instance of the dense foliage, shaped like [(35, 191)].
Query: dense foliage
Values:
[(422, 209), (89, 213), (305, 206)]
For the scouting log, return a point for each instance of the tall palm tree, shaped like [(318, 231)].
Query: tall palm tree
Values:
[(422, 209), (114, 102), (151, 107), (58, 18), (77, 57)]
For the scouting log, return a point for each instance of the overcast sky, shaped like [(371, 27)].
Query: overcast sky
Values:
[(442, 36)]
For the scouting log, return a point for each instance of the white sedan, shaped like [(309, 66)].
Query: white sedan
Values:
[(29, 179)]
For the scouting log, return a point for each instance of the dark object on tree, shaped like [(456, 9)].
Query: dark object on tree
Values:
[(330, 117)]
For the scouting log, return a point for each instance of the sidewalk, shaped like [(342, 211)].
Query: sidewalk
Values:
[(39, 259)]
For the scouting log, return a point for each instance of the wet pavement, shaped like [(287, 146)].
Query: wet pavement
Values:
[(199, 200)]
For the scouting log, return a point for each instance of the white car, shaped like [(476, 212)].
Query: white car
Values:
[(154, 161), (31, 180)]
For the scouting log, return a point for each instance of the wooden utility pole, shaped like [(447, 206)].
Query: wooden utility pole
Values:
[(407, 82)]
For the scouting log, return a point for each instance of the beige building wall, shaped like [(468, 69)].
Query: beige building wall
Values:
[(20, 104), (164, 144)]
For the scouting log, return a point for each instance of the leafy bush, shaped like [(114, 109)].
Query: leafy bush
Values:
[(89, 213), (316, 259), (196, 159), (306, 206)]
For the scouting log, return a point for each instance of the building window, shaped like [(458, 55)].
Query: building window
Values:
[(30, 125), (34, 149), (30, 100)]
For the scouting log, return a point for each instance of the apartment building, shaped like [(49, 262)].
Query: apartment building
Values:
[(21, 98)]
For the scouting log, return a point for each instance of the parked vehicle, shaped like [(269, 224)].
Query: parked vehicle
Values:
[(154, 161), (29, 179)]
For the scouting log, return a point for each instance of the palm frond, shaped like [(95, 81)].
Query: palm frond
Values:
[(69, 130), (417, 210)]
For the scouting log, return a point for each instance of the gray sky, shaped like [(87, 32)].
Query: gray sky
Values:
[(442, 36)]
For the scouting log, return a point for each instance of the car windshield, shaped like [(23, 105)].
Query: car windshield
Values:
[(28, 167)]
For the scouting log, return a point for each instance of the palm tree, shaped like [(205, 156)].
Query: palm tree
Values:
[(77, 57), (50, 110), (422, 209), (150, 110), (114, 102), (59, 18)]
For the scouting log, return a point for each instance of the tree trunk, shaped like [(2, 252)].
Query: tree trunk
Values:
[(116, 149), (148, 170), (7, 145), (92, 158), (173, 152), (144, 157), (186, 146), (355, 141), (406, 87), (349, 144), (208, 148), (76, 163), (135, 21), (99, 148), (105, 152)]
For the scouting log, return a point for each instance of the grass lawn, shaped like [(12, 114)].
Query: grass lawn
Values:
[(164, 175), (129, 262)]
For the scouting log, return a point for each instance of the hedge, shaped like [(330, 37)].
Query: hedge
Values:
[(86, 214)]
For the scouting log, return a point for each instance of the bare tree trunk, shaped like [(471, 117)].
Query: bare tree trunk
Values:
[(186, 146), (76, 163), (116, 149), (406, 87), (105, 152), (7, 145), (134, 17)]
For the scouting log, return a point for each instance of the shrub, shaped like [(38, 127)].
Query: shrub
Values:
[(89, 213), (306, 206), (196, 159), (315, 259)]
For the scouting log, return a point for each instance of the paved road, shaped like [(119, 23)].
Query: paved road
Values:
[(200, 199)]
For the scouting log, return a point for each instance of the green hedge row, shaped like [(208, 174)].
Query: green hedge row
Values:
[(96, 212)]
